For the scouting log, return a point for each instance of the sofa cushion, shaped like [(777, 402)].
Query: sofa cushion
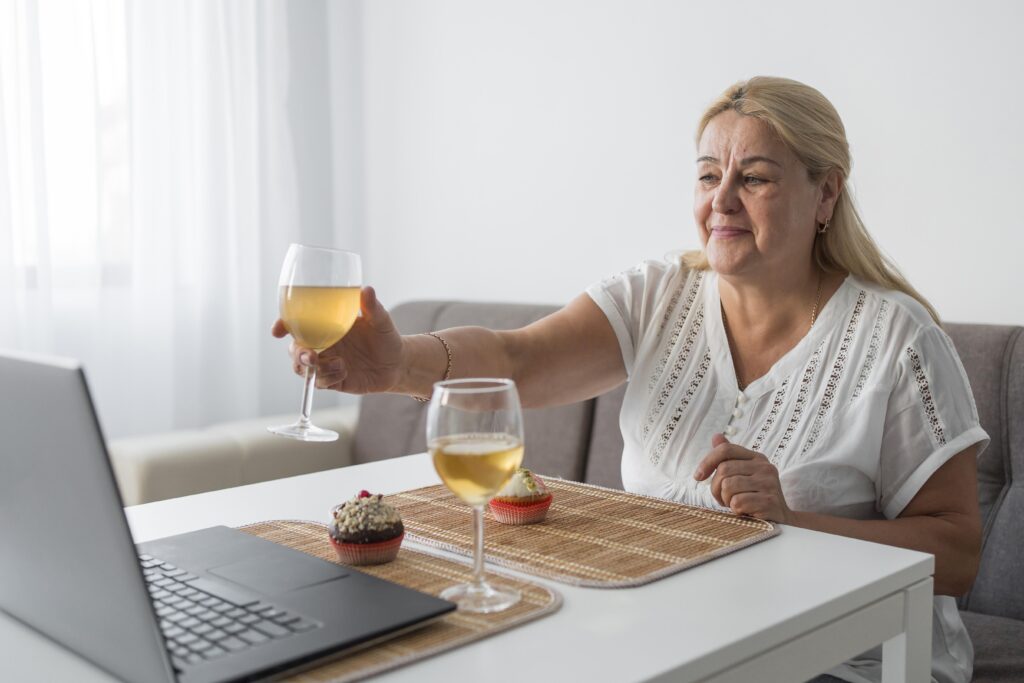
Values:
[(158, 466), (386, 428), (993, 356), (264, 456), (998, 647), (180, 463), (556, 438), (604, 458)]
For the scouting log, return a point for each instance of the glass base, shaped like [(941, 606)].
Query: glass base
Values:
[(304, 432), (482, 598)]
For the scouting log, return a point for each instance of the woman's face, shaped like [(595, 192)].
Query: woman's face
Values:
[(755, 206)]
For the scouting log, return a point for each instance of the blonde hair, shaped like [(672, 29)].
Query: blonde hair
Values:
[(810, 126)]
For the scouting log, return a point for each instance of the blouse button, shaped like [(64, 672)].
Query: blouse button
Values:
[(741, 399), (737, 413), (730, 430)]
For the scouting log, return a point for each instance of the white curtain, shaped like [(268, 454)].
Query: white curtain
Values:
[(148, 190)]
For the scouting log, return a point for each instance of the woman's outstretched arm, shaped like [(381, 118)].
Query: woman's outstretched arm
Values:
[(568, 356)]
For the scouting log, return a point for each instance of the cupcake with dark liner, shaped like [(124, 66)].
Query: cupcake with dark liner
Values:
[(366, 530), (523, 500)]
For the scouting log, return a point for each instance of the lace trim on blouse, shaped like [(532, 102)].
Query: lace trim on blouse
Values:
[(684, 403), (872, 354), (677, 328), (800, 404), (769, 422), (837, 373), (677, 369), (678, 292), (926, 396)]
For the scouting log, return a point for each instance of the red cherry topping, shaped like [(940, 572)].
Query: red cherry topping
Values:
[(364, 494)]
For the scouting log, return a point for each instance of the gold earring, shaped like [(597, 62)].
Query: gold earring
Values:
[(822, 229)]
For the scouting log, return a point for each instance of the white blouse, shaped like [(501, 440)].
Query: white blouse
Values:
[(857, 416)]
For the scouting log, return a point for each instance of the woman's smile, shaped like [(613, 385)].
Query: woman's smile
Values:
[(722, 232)]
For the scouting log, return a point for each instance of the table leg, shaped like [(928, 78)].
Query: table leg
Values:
[(907, 658)]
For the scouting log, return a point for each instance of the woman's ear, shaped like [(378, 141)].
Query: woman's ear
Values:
[(831, 188)]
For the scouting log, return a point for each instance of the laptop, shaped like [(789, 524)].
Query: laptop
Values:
[(216, 604)]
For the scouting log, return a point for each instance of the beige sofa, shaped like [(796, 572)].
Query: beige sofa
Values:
[(180, 463)]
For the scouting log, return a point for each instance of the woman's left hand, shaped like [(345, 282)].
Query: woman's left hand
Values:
[(744, 481)]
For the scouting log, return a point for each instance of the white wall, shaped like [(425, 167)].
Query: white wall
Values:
[(520, 150)]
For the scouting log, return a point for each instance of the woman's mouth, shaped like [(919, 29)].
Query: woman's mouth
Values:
[(727, 231)]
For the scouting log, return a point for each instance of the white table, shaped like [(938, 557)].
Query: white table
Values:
[(781, 610)]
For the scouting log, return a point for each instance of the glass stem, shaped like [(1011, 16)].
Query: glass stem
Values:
[(478, 546), (307, 395)]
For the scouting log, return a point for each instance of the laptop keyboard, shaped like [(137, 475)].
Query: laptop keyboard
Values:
[(201, 621)]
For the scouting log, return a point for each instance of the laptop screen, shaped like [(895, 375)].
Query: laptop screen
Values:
[(68, 567)]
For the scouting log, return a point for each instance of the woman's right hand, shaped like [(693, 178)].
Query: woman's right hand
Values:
[(367, 360)]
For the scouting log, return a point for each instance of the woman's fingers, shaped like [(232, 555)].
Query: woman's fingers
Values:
[(750, 488), (745, 472), (368, 304), (279, 330), (726, 487), (328, 364), (301, 355), (754, 504), (743, 480), (374, 313), (721, 452), (302, 358), (736, 471), (372, 309), (332, 372)]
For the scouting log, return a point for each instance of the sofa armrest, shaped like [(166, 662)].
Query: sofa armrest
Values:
[(180, 463)]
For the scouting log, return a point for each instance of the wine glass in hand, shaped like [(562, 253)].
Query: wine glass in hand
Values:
[(319, 302), (475, 435)]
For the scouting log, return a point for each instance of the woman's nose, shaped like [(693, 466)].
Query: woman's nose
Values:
[(726, 199)]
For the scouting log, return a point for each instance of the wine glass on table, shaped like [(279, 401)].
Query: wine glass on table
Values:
[(475, 436), (318, 295)]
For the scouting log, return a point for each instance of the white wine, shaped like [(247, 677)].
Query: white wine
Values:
[(475, 466), (317, 317)]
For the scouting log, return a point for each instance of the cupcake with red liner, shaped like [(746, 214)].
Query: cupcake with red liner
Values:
[(366, 530), (524, 499)]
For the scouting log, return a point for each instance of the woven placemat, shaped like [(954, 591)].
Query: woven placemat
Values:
[(425, 573), (592, 536)]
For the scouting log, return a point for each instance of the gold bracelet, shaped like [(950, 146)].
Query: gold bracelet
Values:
[(447, 370)]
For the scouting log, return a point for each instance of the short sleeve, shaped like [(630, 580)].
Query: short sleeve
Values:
[(931, 416), (629, 299)]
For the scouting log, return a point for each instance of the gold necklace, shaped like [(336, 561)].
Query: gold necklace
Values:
[(814, 316), (817, 300)]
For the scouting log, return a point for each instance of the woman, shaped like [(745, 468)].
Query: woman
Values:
[(786, 371)]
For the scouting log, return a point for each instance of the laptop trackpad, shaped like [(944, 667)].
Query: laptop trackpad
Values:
[(273, 574)]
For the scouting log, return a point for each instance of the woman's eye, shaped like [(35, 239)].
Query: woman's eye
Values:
[(707, 178), (753, 180)]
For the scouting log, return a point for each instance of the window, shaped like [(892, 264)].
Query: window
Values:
[(63, 88)]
